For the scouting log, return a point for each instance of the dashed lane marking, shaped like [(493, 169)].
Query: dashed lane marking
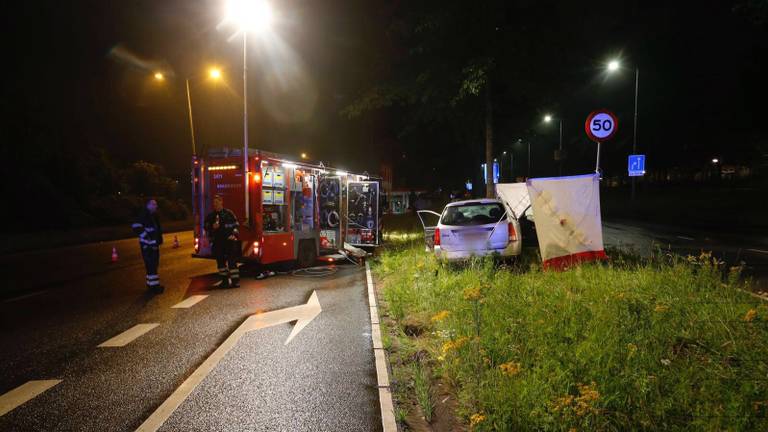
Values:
[(686, 238), (24, 393), (758, 251), (24, 296), (388, 422), (189, 302), (129, 335)]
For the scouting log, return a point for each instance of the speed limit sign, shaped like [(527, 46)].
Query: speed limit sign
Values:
[(601, 125)]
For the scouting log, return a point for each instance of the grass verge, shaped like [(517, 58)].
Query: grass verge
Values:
[(667, 343)]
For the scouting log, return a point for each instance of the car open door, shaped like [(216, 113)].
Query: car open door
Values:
[(429, 230)]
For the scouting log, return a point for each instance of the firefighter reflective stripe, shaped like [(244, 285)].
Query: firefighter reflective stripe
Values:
[(147, 242), (235, 273), (149, 229), (153, 280), (223, 271), (231, 225), (137, 225)]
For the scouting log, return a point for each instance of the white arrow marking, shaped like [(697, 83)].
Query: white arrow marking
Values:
[(302, 314)]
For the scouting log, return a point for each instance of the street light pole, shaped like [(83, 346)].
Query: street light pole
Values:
[(191, 124), (634, 132), (245, 128), (529, 158), (560, 148)]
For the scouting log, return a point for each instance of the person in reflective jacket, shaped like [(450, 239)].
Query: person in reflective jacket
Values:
[(222, 228), (150, 233)]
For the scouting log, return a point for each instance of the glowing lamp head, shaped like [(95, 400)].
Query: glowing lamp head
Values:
[(547, 118), (303, 155), (250, 15), (214, 73), (613, 66), (159, 76)]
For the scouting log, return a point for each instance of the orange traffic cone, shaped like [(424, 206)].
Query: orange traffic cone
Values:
[(114, 254), (175, 242)]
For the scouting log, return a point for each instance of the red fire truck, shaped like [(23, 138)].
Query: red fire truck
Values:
[(288, 210)]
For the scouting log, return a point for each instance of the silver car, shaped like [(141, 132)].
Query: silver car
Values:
[(473, 228)]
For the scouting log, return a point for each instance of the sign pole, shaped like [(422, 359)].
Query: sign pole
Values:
[(597, 164)]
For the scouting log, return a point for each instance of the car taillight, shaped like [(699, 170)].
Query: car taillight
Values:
[(437, 237), (255, 248), (512, 232), (197, 244)]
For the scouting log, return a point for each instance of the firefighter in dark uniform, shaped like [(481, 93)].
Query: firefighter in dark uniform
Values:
[(221, 225), (150, 233)]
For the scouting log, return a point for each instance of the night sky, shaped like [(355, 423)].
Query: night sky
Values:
[(81, 73)]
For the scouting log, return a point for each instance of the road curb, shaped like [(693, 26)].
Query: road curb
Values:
[(388, 422)]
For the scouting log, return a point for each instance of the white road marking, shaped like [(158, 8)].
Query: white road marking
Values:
[(302, 314), (129, 335), (24, 393), (758, 251), (388, 422), (686, 238), (22, 297), (189, 302)]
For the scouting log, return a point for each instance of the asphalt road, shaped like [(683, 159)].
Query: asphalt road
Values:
[(733, 248), (59, 305)]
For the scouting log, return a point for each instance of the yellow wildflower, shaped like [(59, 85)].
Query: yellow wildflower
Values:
[(588, 395), (454, 344), (443, 314), (472, 293), (632, 348), (476, 419), (751, 314), (661, 308), (510, 368), (562, 402)]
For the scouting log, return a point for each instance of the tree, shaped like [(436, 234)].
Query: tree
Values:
[(466, 65), (148, 179)]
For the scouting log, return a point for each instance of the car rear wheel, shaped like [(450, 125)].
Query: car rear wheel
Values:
[(307, 253)]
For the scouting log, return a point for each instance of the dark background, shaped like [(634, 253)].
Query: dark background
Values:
[(80, 107)]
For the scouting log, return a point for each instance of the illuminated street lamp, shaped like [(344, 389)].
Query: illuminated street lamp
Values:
[(304, 156), (614, 66), (215, 74), (250, 16), (548, 119), (159, 76), (715, 161)]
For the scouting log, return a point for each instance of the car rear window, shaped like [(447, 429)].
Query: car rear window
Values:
[(473, 214)]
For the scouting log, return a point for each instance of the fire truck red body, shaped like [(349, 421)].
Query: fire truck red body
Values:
[(288, 216)]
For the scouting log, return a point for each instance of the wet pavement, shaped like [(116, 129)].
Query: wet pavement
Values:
[(324, 379)]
